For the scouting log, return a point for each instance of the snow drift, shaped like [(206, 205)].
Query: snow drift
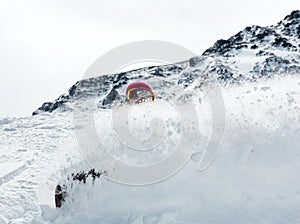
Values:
[(254, 177)]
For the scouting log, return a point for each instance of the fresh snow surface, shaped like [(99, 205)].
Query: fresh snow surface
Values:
[(246, 60), (254, 178)]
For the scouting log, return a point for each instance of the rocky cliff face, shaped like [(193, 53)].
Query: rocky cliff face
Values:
[(253, 53)]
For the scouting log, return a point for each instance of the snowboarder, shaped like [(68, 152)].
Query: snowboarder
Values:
[(59, 196), (138, 92)]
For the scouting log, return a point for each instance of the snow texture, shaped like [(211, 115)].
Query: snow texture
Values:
[(254, 178)]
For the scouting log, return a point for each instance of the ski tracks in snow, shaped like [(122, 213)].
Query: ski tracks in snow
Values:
[(33, 152), (9, 176), (167, 217)]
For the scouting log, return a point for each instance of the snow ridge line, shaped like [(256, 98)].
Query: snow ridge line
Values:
[(6, 178)]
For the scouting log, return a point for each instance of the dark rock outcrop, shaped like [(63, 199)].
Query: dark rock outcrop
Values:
[(111, 98)]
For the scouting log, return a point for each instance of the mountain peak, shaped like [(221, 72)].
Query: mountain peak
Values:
[(284, 35), (290, 26), (253, 53), (295, 15)]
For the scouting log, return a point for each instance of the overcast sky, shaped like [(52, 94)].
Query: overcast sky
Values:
[(46, 46)]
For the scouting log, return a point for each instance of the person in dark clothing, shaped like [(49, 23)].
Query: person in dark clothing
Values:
[(93, 173), (84, 176), (59, 196)]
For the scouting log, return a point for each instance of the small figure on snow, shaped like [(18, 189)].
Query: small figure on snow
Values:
[(59, 196)]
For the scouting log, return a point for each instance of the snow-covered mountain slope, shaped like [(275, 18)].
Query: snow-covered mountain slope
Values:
[(254, 178), (253, 53)]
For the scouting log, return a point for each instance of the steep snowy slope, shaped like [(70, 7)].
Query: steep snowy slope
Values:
[(254, 178)]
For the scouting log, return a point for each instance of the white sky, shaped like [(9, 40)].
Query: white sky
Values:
[(46, 46)]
